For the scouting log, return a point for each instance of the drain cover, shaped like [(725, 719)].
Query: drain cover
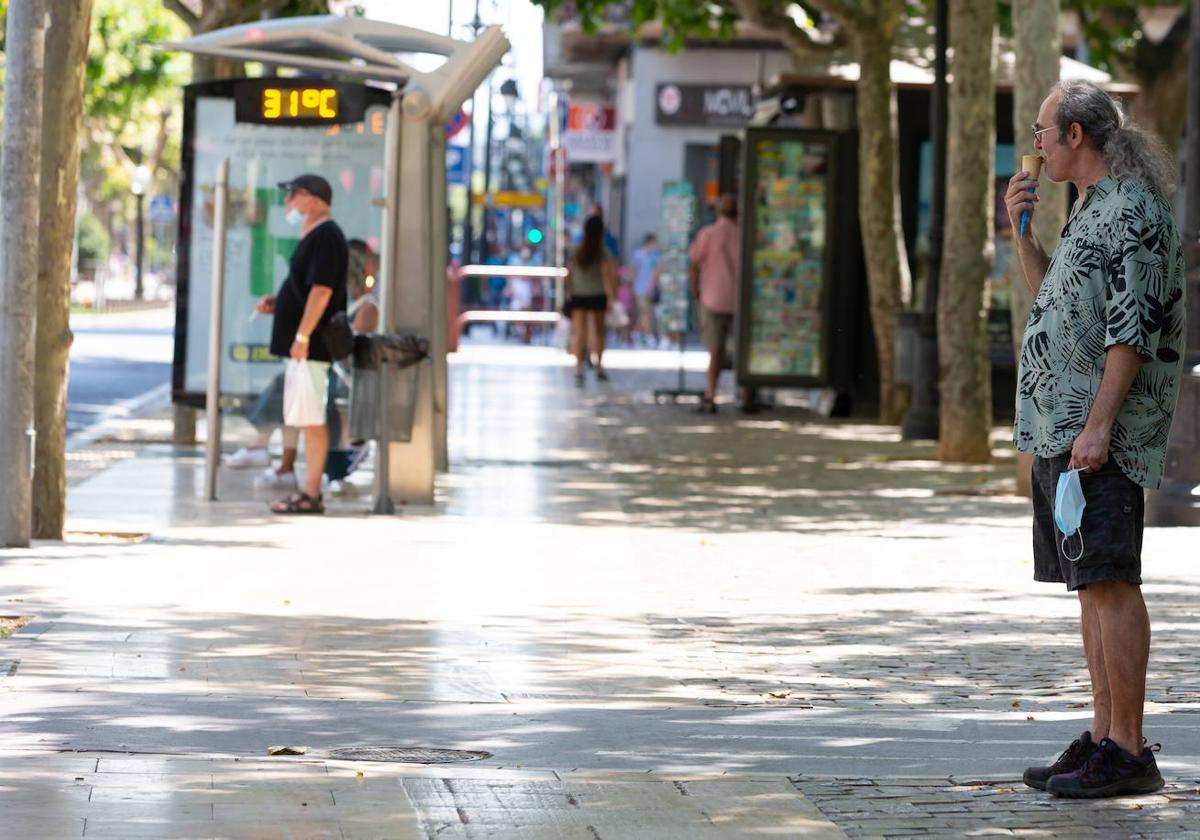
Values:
[(408, 755)]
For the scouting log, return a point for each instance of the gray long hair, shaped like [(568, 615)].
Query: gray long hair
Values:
[(1129, 151)]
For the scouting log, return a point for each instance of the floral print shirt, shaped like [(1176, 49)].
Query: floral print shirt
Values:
[(1116, 277)]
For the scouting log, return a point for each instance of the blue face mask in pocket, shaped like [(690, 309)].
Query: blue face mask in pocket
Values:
[(1068, 510)]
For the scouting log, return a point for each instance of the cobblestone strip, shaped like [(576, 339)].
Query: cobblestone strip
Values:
[(865, 808)]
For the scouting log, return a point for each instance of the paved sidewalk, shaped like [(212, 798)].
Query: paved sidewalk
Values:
[(658, 625)]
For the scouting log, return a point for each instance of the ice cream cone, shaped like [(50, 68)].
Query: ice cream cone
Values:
[(1032, 165)]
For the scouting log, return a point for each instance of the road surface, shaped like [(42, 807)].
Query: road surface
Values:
[(116, 358)]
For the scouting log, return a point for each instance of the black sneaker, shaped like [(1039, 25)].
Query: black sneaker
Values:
[(1073, 758), (1110, 772)]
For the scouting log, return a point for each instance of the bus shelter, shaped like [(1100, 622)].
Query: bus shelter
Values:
[(366, 118)]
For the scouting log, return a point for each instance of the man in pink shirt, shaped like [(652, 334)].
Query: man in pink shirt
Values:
[(714, 279)]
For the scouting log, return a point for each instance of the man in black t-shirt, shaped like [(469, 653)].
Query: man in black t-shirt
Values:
[(312, 293)]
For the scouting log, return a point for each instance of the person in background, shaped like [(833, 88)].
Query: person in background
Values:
[(591, 290), (621, 313), (494, 292), (363, 312), (713, 276), (520, 291), (267, 414), (312, 293), (644, 264)]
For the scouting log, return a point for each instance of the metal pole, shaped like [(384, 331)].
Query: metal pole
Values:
[(387, 304), (438, 335), (922, 421), (559, 195), (139, 248), (212, 401), (20, 178), (468, 246), (487, 173)]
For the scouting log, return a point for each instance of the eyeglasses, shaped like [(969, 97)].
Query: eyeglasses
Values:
[(1038, 132)]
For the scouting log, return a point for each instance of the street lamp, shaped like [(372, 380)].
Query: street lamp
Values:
[(138, 185)]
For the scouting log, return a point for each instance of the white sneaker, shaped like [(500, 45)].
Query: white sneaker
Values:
[(270, 479), (246, 458)]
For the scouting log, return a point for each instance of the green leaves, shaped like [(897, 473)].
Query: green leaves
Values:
[(1116, 38), (681, 19)]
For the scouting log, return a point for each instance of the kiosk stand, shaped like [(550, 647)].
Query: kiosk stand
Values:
[(413, 237)]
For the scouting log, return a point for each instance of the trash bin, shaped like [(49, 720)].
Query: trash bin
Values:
[(391, 360)]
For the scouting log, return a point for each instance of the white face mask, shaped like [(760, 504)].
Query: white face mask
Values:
[(1068, 510), (294, 217)]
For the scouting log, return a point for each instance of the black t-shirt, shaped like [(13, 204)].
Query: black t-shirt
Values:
[(321, 259)]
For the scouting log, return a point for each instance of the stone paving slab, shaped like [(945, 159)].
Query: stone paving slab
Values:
[(611, 596), (171, 796)]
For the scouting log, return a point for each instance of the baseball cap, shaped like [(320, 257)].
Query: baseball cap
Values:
[(311, 184)]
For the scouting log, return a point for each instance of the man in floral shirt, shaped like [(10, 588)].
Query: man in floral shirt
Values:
[(1097, 386)]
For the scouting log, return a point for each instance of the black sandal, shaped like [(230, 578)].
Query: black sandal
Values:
[(298, 503), (706, 406)]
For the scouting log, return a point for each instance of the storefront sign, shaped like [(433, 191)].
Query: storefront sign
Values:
[(715, 105), (591, 135)]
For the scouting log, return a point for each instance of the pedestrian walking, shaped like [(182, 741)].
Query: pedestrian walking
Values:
[(1097, 385), (591, 291), (312, 293), (644, 266), (713, 275)]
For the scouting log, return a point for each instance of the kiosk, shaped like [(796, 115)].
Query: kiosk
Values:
[(388, 136)]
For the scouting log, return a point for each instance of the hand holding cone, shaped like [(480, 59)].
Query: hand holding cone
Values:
[(1031, 164)]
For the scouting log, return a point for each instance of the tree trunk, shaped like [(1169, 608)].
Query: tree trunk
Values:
[(1161, 103), (1037, 46), (62, 113), (888, 278), (19, 175), (966, 404)]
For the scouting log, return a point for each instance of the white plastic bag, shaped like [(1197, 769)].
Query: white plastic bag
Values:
[(304, 390)]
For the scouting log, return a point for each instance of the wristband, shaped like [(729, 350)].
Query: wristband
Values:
[(301, 338)]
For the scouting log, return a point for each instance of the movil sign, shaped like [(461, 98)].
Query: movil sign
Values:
[(713, 105), (729, 102)]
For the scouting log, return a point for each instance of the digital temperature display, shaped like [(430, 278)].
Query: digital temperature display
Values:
[(298, 102), (321, 103)]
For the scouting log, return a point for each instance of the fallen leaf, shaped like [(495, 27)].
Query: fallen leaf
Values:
[(778, 695), (286, 602), (286, 750), (358, 774), (182, 669), (1079, 705), (1030, 717), (1016, 703)]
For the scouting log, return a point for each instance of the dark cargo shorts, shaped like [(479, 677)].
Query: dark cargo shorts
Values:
[(1113, 520)]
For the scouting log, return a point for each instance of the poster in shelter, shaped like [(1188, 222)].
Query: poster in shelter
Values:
[(259, 241)]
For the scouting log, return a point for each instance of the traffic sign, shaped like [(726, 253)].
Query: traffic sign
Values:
[(161, 210), (456, 165)]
